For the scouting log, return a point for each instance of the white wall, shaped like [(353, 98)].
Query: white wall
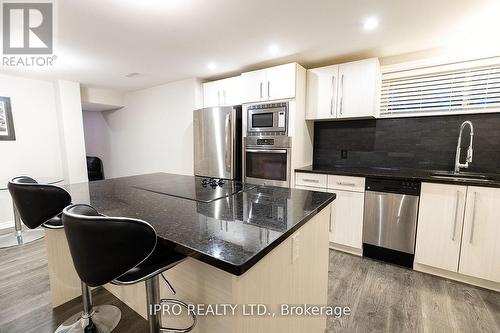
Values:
[(69, 111), (152, 133), (37, 150), (102, 96)]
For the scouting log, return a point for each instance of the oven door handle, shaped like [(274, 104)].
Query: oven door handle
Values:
[(266, 151)]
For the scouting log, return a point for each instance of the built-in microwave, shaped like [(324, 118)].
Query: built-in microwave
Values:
[(269, 117)]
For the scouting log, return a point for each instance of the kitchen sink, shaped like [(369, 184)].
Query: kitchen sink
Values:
[(464, 176)]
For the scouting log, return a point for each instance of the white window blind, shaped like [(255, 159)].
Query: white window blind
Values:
[(441, 90)]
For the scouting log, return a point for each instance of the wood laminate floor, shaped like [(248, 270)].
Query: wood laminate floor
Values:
[(382, 298), (388, 298)]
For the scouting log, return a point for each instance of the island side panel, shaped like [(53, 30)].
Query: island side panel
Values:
[(279, 278), (64, 281), (274, 280), (195, 282)]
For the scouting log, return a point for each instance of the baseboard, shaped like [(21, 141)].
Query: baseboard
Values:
[(345, 248), (6, 225), (457, 277)]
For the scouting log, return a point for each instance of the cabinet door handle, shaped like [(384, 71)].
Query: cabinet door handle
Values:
[(218, 97), (268, 89), (341, 93), (224, 95), (346, 184), (333, 94), (330, 227), (261, 90), (311, 180), (473, 219), (456, 216)]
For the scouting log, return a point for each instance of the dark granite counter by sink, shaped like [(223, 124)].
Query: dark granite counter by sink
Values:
[(232, 233), (400, 173)]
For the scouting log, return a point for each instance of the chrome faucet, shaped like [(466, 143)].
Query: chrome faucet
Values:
[(459, 165)]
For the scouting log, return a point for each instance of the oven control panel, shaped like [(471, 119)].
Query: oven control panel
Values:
[(276, 141), (265, 142), (281, 119)]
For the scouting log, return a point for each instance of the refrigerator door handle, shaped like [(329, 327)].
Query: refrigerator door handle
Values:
[(229, 143)]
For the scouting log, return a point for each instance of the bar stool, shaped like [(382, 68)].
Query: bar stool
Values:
[(42, 205), (38, 204), (121, 251)]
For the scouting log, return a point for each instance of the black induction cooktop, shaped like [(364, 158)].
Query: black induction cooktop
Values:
[(201, 189)]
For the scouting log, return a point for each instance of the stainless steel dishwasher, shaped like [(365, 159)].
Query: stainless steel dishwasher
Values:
[(390, 220)]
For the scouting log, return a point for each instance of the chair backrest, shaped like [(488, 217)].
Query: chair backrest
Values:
[(37, 203), (94, 168), (104, 248)]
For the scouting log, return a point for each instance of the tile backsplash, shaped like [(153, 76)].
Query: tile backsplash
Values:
[(423, 143)]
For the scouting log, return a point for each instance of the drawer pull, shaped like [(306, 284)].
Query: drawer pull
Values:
[(311, 180), (346, 184)]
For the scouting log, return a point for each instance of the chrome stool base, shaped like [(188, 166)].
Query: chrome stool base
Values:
[(104, 318), (153, 297), (174, 329), (20, 237)]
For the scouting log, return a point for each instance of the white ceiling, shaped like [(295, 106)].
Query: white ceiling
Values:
[(99, 42)]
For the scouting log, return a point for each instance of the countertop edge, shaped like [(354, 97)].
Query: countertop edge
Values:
[(424, 177)]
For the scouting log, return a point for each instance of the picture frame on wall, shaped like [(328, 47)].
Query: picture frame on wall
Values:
[(7, 132)]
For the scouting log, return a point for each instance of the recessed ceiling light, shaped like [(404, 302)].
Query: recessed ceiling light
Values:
[(132, 75), (212, 66), (370, 23), (273, 49)]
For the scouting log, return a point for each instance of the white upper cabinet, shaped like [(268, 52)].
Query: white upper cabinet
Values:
[(322, 85), (348, 90), (281, 81), (254, 86), (269, 84), (358, 89), (480, 254), (440, 220), (211, 94), (222, 92)]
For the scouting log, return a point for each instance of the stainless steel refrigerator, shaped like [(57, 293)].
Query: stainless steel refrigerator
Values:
[(218, 142)]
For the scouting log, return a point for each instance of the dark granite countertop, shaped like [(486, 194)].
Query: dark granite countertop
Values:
[(400, 173), (232, 233)]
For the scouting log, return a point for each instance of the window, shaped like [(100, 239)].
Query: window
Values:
[(445, 89)]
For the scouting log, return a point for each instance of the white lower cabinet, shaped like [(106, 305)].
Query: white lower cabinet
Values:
[(480, 254), (346, 223), (458, 230), (346, 220), (439, 230)]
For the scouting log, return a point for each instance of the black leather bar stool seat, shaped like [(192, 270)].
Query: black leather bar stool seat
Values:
[(160, 260), (53, 223), (38, 204), (121, 251)]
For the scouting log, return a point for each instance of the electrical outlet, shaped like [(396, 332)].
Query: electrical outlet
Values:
[(343, 154), (295, 247)]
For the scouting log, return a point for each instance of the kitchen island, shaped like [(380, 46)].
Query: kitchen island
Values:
[(246, 245)]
